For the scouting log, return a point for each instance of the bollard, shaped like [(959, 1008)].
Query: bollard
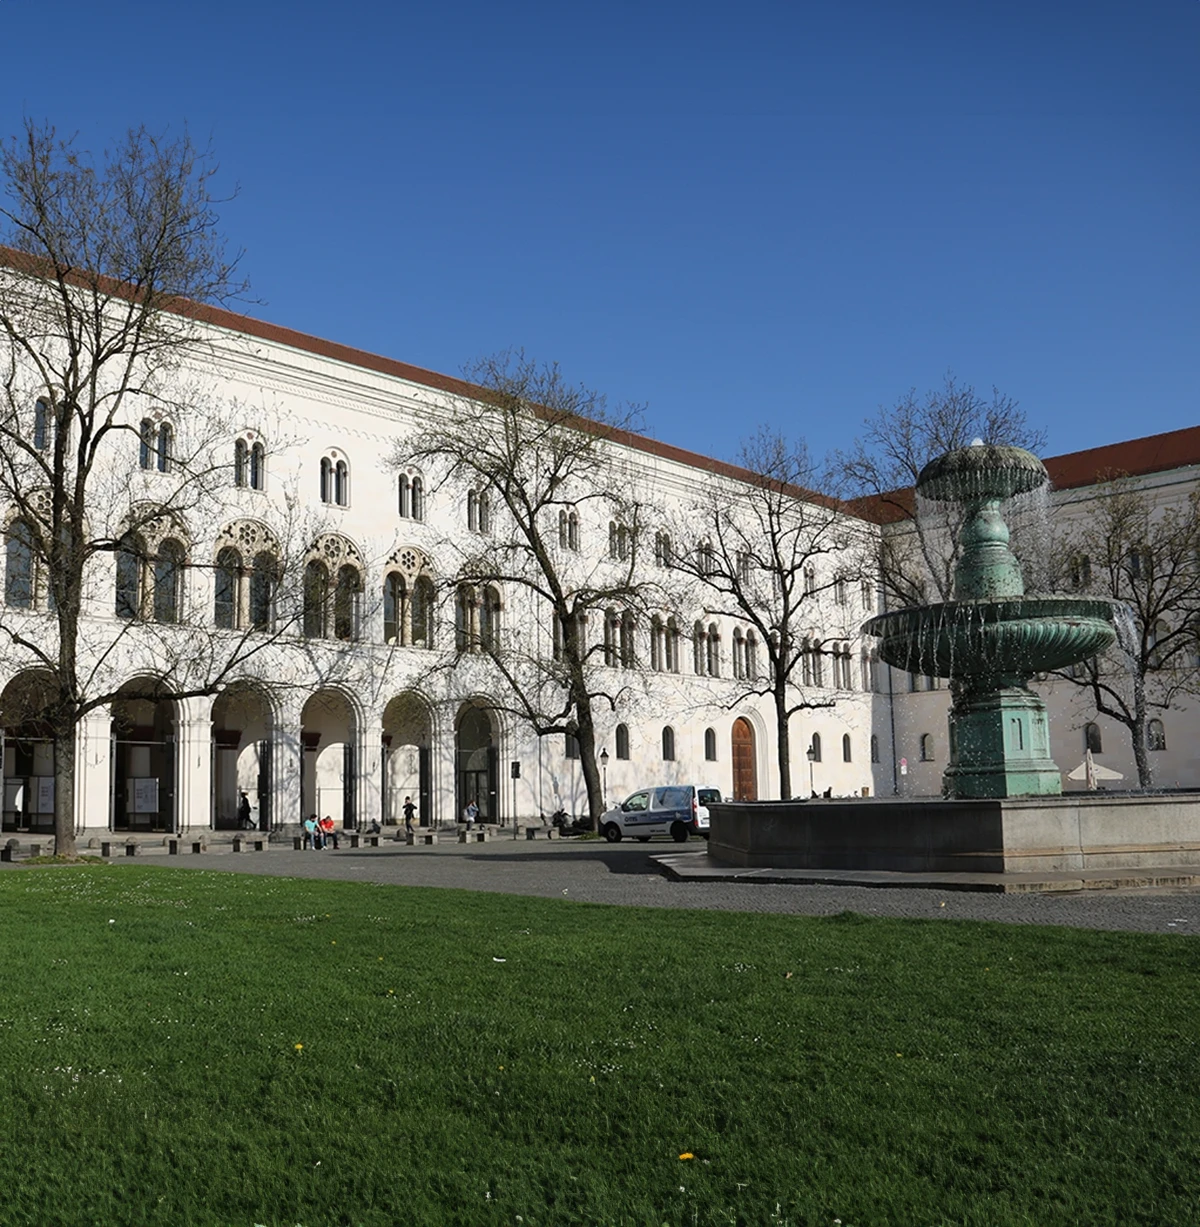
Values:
[(259, 845), (354, 841), (172, 847), (106, 849), (372, 841), (35, 849), (297, 844), (131, 848), (197, 848)]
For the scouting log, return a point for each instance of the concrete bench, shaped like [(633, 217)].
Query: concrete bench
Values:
[(426, 837), (132, 848)]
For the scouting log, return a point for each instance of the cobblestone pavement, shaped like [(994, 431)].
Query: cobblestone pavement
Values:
[(625, 875)]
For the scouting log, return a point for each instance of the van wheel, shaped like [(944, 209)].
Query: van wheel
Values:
[(642, 839), (612, 832), (679, 832)]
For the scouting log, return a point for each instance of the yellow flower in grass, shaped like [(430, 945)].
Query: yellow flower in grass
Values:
[(687, 1154), (299, 1047)]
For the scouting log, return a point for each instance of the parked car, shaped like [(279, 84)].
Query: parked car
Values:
[(678, 810)]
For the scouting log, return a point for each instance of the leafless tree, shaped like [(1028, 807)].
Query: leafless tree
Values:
[(106, 260), (1131, 548), (883, 466), (773, 556), (532, 457)]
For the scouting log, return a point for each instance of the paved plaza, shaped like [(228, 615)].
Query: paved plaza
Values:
[(628, 875)]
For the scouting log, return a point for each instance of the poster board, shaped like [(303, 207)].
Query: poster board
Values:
[(43, 794), (144, 794)]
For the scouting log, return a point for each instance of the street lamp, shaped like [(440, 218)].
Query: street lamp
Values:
[(604, 779), (811, 755)]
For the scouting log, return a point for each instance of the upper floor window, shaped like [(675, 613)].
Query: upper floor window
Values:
[(410, 496), (662, 549), (1081, 572), (814, 748), (245, 578), (745, 568), (710, 745), (846, 757), (620, 541), (149, 578), (156, 445), (408, 610), (335, 479), (926, 747), (477, 619), (568, 529), (1140, 562), (706, 558), (1156, 735), (249, 464), (333, 591), (841, 592), (20, 567), (43, 421), (713, 652), (668, 744), (479, 511), (571, 746), (874, 748), (810, 580)]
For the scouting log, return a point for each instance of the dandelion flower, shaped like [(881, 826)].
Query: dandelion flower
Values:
[(299, 1047), (687, 1154)]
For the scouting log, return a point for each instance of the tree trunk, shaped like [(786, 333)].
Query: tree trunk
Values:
[(586, 737), (1137, 734), (64, 794), (785, 745)]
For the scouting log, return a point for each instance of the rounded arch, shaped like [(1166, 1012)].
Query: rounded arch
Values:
[(28, 760), (477, 759), (243, 723), (144, 724), (744, 757), (408, 725), (329, 724)]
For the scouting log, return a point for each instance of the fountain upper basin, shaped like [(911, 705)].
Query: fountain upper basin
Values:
[(994, 638)]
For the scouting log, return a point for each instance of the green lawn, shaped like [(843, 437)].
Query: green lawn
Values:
[(182, 1047)]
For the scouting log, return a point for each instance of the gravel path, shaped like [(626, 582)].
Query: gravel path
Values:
[(626, 875)]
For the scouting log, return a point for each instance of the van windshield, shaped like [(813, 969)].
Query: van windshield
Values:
[(708, 796)]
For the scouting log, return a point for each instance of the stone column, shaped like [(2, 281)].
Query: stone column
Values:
[(285, 771), (193, 764), (93, 772), (369, 784)]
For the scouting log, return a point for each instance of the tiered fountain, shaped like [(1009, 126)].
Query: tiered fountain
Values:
[(1002, 810), (992, 639)]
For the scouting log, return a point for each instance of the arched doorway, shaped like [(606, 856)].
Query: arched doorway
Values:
[(745, 771), (407, 771), (241, 757), (28, 754), (143, 762), (328, 771), (476, 761)]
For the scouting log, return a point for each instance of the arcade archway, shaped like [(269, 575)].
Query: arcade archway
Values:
[(28, 754), (328, 770), (143, 761), (476, 760), (241, 757), (407, 759)]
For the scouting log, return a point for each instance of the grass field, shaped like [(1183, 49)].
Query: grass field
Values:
[(201, 1048)]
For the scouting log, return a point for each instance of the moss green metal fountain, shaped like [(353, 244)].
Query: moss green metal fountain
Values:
[(992, 639)]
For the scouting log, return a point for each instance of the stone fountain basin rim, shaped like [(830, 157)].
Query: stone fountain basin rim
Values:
[(1032, 609)]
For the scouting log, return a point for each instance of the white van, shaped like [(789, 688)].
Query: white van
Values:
[(678, 810)]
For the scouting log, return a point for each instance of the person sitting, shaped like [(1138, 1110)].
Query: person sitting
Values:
[(311, 833), (328, 832)]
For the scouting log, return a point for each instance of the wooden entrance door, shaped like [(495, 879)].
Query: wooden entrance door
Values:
[(745, 776)]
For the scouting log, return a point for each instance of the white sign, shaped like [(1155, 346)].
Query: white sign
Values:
[(45, 794), (904, 766), (145, 795)]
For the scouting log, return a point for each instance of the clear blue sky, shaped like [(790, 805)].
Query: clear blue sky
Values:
[(786, 213)]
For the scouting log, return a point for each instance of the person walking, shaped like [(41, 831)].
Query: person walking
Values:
[(409, 812), (244, 821)]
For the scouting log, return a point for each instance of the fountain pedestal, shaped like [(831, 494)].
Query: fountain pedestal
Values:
[(1000, 746)]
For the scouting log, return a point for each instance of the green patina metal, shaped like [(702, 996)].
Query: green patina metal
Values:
[(991, 639)]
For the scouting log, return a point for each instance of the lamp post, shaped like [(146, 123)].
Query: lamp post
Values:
[(811, 755), (604, 779)]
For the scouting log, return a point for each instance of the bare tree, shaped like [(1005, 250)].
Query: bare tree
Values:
[(531, 456), (771, 558), (883, 466), (106, 434), (1131, 548)]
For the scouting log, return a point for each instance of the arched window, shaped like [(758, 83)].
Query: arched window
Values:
[(473, 510), (751, 657), (1154, 640), (485, 512), (422, 613), (1092, 739), (1081, 572), (489, 620), (226, 580), (316, 599), (562, 529), (326, 480), (394, 595), (164, 452), (926, 747), (241, 463), (656, 644), (710, 745), (129, 571), (19, 570), (662, 549), (622, 542), (815, 747), (258, 467), (623, 741), (346, 603), (874, 748), (263, 578), (571, 745), (612, 637), (739, 654), (418, 499), (168, 581), (810, 580), (42, 420), (818, 666), (464, 615), (668, 744), (146, 444), (341, 484), (573, 531), (404, 496), (713, 657), (1156, 735), (672, 644), (628, 643), (706, 560), (846, 748), (699, 649)]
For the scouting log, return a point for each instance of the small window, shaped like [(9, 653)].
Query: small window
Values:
[(418, 499), (146, 444), (19, 568), (1092, 739), (874, 748), (41, 426), (258, 467), (225, 588), (326, 480), (926, 747), (393, 607), (128, 594), (341, 484), (164, 452), (846, 756), (815, 748), (168, 582), (572, 745), (1156, 735), (623, 741), (668, 744), (710, 745), (404, 497), (241, 463)]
